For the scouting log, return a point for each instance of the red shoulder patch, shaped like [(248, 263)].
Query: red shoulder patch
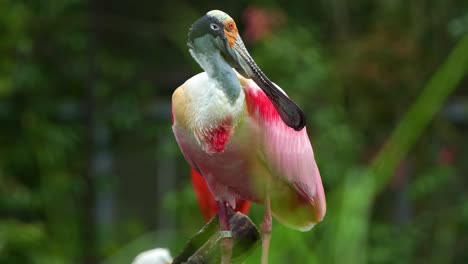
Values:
[(217, 138), (259, 105)]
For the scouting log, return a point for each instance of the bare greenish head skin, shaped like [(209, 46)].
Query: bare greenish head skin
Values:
[(218, 14), (216, 45)]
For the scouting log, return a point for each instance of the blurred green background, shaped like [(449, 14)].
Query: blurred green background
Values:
[(90, 171)]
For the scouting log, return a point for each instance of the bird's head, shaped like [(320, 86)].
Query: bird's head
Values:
[(217, 32)]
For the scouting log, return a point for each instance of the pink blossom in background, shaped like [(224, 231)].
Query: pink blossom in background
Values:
[(447, 156), (260, 22)]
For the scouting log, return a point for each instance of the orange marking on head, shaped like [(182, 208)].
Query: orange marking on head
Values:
[(230, 30)]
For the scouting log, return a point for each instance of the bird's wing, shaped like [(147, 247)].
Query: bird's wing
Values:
[(290, 159)]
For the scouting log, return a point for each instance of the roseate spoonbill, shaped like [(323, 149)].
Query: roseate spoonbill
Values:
[(244, 135)]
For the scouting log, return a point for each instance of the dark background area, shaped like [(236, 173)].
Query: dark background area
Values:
[(90, 171)]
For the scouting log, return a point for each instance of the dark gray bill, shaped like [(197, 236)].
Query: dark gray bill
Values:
[(289, 111)]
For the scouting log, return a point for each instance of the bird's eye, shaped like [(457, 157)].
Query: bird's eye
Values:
[(214, 26)]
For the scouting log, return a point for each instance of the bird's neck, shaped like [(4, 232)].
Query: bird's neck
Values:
[(210, 59)]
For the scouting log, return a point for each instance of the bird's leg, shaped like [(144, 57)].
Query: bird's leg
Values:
[(225, 231), (265, 228)]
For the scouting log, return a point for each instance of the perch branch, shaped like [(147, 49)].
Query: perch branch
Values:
[(204, 247)]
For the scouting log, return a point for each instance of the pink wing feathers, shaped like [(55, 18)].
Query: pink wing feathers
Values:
[(290, 158)]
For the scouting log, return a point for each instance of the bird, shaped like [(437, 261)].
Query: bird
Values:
[(244, 135)]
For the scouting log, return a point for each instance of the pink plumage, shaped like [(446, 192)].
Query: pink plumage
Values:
[(288, 153), (259, 150)]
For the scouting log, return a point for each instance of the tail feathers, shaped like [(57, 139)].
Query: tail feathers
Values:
[(293, 207), (242, 206), (207, 202)]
